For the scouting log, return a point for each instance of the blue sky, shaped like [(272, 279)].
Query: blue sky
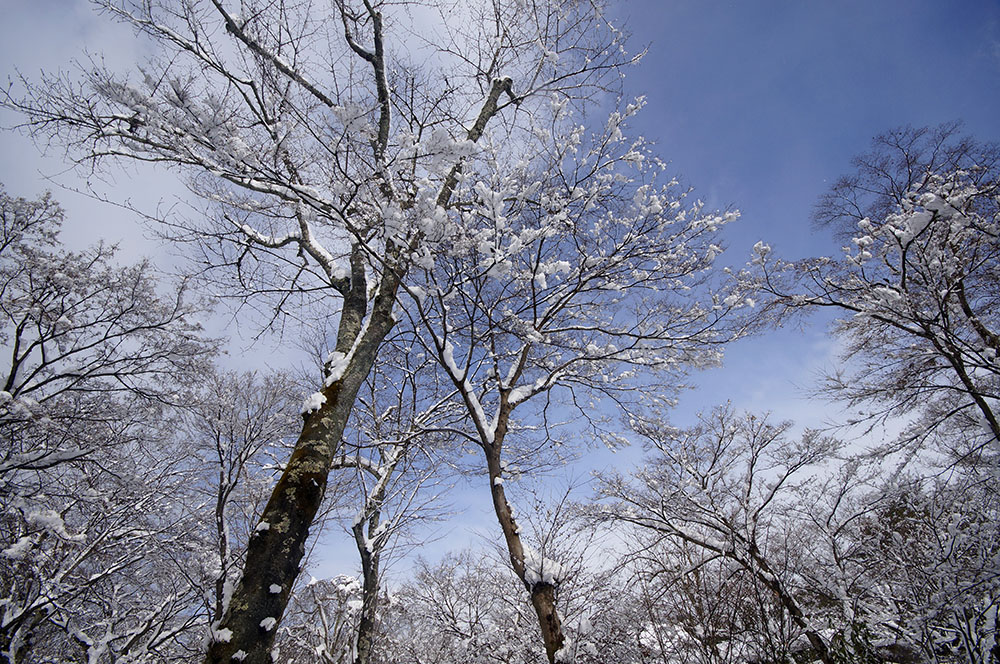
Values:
[(758, 105), (761, 105)]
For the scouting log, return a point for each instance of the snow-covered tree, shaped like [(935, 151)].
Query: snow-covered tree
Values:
[(92, 523), (580, 275), (322, 623), (238, 427), (390, 463), (918, 288), (728, 488), (753, 545), (464, 610), (81, 329), (334, 146)]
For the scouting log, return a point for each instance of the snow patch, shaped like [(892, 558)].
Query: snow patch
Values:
[(268, 623), (336, 364), (275, 589), (52, 522), (539, 569), (313, 403), (18, 549)]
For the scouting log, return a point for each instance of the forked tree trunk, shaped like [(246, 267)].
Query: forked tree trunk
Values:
[(276, 549)]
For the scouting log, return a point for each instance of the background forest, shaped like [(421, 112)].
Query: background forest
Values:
[(425, 271)]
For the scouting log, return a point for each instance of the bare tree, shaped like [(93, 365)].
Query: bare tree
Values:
[(725, 487), (79, 325), (918, 288), (92, 486), (332, 163), (581, 276), (239, 426)]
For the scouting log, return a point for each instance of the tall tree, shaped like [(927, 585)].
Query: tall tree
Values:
[(579, 277), (332, 162), (918, 287)]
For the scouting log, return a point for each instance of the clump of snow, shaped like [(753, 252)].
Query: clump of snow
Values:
[(268, 623), (347, 585), (239, 655), (18, 549), (313, 403), (760, 251), (566, 653), (539, 569), (223, 635), (275, 589), (262, 526), (52, 522), (336, 363)]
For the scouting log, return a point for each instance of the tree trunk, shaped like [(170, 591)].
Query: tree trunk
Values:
[(542, 594), (276, 548), (369, 590)]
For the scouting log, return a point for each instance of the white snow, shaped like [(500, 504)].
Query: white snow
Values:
[(539, 569), (52, 522), (268, 623), (313, 403), (18, 549), (262, 526), (239, 655), (275, 589), (223, 635), (336, 363)]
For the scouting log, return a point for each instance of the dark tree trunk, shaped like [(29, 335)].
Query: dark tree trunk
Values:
[(542, 594), (276, 548)]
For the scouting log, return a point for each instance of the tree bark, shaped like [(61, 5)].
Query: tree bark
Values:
[(542, 594), (277, 546)]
